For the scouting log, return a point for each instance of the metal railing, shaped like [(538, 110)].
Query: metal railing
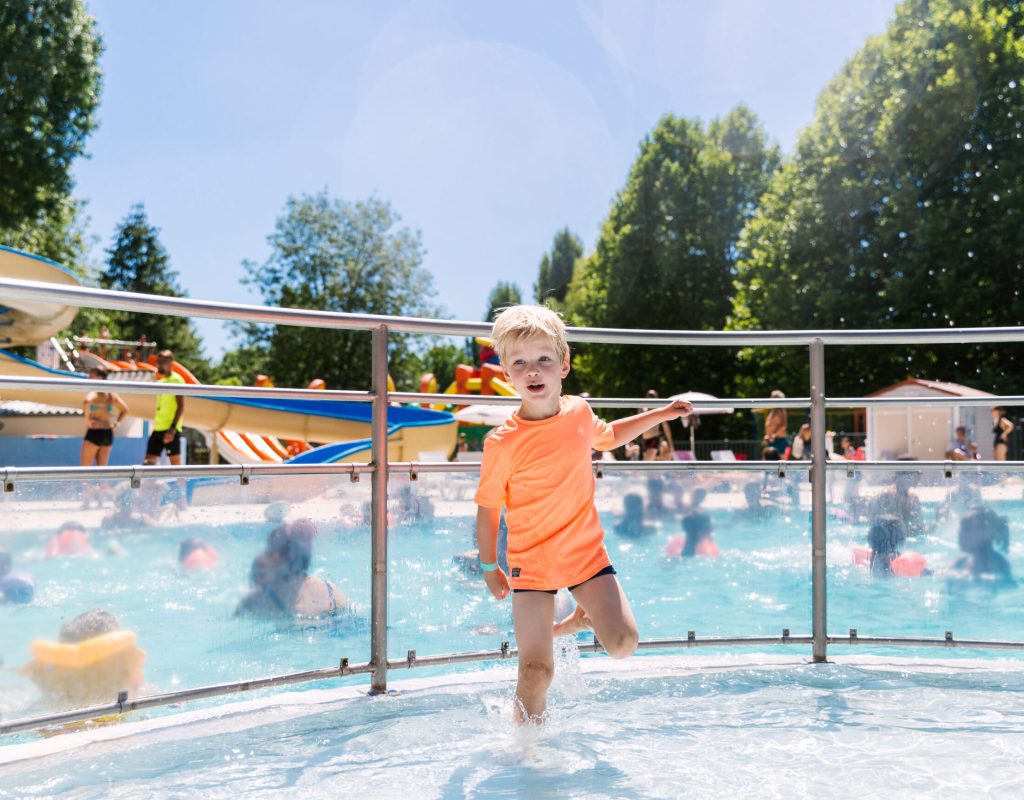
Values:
[(379, 328)]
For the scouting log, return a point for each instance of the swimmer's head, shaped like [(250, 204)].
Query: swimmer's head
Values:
[(71, 526), (519, 323), (697, 525), (18, 587), (981, 529), (886, 535), (633, 506), (189, 546), (85, 626)]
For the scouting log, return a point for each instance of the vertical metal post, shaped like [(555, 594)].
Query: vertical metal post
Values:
[(818, 594), (379, 515)]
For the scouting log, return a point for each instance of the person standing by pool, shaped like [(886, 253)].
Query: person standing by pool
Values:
[(775, 425), (1001, 430), (167, 423), (537, 465), (100, 421)]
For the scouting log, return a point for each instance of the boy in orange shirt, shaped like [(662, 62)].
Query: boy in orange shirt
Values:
[(537, 465)]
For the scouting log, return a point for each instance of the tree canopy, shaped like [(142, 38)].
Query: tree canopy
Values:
[(666, 254), (504, 294), (556, 268), (138, 262), (49, 90), (332, 255), (902, 206)]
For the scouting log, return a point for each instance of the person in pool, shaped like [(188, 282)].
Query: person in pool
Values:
[(537, 465), (981, 532), (631, 525)]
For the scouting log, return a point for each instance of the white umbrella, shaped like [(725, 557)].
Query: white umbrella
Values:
[(484, 414), (697, 398)]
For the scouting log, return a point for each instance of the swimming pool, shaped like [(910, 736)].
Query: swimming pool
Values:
[(653, 727), (760, 584)]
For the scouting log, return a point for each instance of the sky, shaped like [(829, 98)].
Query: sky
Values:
[(487, 126)]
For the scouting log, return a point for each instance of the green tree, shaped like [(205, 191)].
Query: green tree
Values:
[(901, 208), (332, 255), (49, 91), (503, 294), (138, 262), (556, 269), (665, 256)]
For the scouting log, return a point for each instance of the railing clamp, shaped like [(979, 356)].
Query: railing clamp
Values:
[(949, 639), (505, 649), (412, 472), (850, 471), (122, 698), (9, 480), (785, 635), (410, 659), (691, 638), (136, 479), (343, 666), (853, 636), (948, 469), (353, 475), (598, 470), (782, 469), (245, 474)]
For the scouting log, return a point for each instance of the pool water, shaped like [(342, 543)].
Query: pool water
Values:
[(649, 728), (185, 622)]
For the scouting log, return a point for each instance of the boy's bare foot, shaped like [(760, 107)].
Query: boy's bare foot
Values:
[(577, 621)]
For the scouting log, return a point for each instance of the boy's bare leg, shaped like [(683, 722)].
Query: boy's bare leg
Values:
[(531, 613), (602, 606)]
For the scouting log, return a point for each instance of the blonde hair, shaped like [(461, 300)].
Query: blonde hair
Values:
[(517, 323)]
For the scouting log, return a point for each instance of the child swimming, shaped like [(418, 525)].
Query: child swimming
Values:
[(538, 466)]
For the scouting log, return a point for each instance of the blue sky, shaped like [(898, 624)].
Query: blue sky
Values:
[(487, 126)]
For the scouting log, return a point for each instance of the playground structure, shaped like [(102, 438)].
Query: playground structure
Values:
[(411, 431)]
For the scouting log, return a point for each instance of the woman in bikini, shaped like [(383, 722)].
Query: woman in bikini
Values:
[(103, 412)]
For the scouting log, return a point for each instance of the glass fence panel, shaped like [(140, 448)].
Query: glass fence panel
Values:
[(745, 569), (215, 581), (918, 554)]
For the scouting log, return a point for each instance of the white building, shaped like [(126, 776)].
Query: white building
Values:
[(924, 432)]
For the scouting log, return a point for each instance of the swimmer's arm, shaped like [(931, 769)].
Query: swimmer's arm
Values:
[(629, 428), (487, 521)]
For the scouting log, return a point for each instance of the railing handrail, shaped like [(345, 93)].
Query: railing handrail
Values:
[(239, 312)]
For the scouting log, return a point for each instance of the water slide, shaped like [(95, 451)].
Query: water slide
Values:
[(411, 431)]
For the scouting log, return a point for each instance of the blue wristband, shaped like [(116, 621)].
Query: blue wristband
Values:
[(488, 567)]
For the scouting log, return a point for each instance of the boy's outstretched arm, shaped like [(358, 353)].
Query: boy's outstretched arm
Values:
[(628, 428), (487, 521)]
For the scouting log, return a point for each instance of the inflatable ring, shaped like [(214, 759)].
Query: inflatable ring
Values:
[(82, 654)]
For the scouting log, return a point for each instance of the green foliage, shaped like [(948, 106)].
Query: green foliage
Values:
[(441, 359), (902, 207), (332, 255), (666, 253), (556, 269), (138, 262), (49, 91), (503, 294)]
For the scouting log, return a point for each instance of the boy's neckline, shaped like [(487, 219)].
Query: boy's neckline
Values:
[(563, 400)]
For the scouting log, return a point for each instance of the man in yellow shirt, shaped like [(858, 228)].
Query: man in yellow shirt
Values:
[(167, 423)]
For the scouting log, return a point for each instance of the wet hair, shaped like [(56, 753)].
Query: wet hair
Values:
[(633, 506), (517, 323), (85, 626), (982, 529), (71, 525), (188, 546), (885, 538), (770, 454), (697, 526), (5, 562)]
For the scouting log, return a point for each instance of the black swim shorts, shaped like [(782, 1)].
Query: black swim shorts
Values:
[(155, 446), (101, 437), (609, 570)]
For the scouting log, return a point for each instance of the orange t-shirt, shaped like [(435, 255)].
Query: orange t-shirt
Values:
[(541, 471)]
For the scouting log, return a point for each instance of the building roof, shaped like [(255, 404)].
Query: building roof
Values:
[(942, 387), (25, 408)]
